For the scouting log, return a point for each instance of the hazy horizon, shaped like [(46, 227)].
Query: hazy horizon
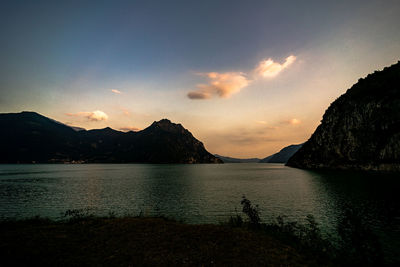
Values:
[(247, 79)]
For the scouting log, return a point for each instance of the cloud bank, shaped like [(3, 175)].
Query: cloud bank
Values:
[(224, 85), (220, 84), (96, 115)]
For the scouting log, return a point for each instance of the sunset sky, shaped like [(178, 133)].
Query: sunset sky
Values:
[(245, 77)]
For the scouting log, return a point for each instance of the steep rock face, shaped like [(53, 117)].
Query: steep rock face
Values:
[(30, 137), (360, 130)]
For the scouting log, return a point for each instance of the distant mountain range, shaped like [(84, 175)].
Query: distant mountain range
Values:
[(280, 157), (29, 137), (360, 130), (236, 160), (283, 155)]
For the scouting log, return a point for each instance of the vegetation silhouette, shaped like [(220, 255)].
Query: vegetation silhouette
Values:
[(357, 245), (252, 241)]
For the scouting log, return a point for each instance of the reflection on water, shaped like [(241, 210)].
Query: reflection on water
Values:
[(200, 193)]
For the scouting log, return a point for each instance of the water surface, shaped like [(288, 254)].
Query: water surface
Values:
[(203, 193)]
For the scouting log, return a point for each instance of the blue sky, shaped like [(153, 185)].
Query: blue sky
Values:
[(64, 58)]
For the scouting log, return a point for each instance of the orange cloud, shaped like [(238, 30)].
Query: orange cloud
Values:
[(269, 68), (220, 84), (96, 115), (126, 112), (226, 84), (293, 121), (129, 128), (115, 91), (266, 126)]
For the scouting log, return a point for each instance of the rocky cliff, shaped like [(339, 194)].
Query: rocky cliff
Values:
[(360, 130)]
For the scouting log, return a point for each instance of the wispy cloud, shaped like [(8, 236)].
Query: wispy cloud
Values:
[(115, 91), (129, 128), (126, 112), (199, 95), (266, 126), (247, 137), (96, 115), (220, 85), (293, 121), (249, 140), (269, 68)]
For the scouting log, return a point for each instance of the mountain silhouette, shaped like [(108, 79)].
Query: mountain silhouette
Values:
[(283, 155), (29, 137), (360, 130)]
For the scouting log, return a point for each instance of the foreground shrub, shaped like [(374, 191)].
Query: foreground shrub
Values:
[(357, 246), (251, 211), (78, 214)]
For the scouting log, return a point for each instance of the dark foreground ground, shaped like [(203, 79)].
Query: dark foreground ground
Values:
[(140, 242)]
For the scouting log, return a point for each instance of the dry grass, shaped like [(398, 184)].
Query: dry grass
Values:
[(140, 242)]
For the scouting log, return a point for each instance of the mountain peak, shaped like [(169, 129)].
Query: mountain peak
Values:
[(167, 125), (163, 121), (30, 114)]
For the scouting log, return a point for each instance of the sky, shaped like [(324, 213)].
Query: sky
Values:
[(245, 77)]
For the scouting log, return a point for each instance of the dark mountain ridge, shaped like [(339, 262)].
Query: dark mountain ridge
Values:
[(360, 130), (283, 155), (28, 137)]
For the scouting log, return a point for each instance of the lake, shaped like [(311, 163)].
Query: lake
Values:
[(202, 193)]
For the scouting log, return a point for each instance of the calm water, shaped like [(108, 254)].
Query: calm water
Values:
[(201, 193)]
